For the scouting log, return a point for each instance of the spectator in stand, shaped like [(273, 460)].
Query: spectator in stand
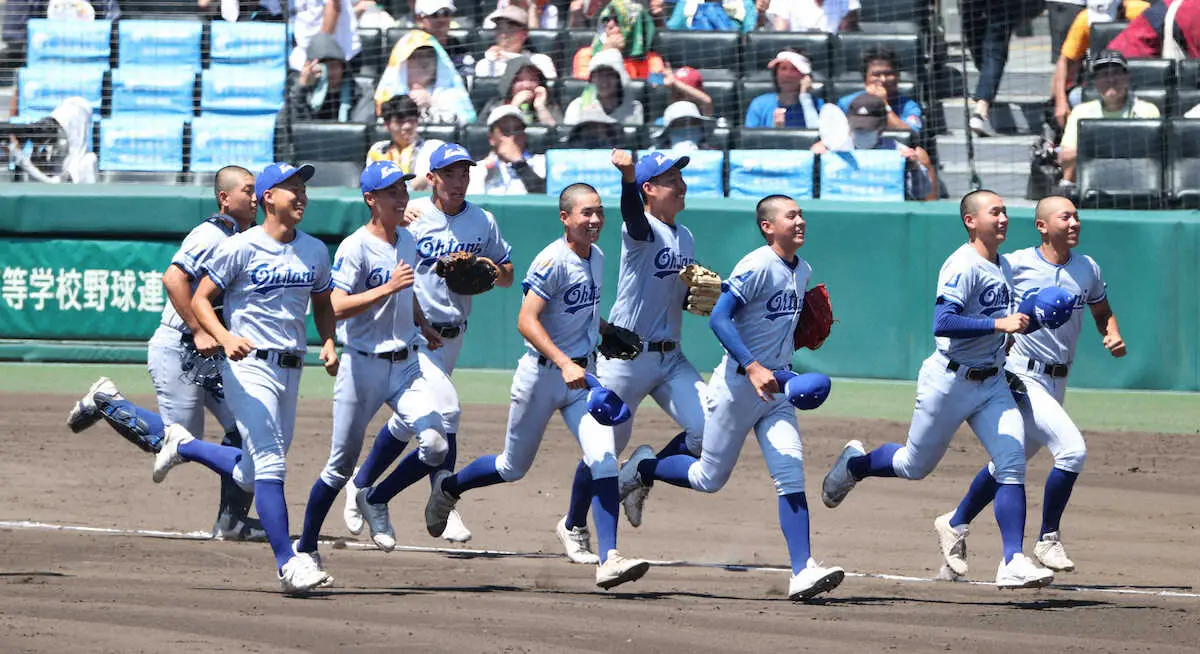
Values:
[(509, 169), (524, 86), (685, 129), (1110, 75), (987, 29), (540, 14), (1144, 36), (61, 145), (792, 105), (595, 130), (335, 18), (714, 15), (421, 69), (1061, 15), (881, 77), (315, 92), (687, 84), (830, 16), (511, 34), (626, 28), (1063, 86), (868, 117), (406, 148), (437, 17), (607, 93)]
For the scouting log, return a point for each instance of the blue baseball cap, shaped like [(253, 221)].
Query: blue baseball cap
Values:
[(655, 164), (807, 391), (381, 174), (1053, 306), (604, 405), (448, 154), (276, 174)]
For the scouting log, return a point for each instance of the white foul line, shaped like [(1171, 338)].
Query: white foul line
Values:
[(459, 551)]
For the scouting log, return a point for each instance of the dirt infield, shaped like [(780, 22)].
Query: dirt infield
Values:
[(1132, 526)]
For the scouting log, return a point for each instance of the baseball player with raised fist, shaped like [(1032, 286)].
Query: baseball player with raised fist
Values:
[(182, 398), (755, 320), (381, 326), (445, 226), (640, 344), (961, 381), (1041, 362), (560, 321), (268, 275)]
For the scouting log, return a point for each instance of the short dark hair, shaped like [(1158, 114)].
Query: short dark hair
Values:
[(970, 202), (879, 53), (570, 195), (762, 210), (399, 106), (227, 178)]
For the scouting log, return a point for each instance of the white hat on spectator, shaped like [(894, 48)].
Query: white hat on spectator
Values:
[(510, 13), (1102, 11), (502, 111), (681, 110), (611, 59), (430, 7), (799, 61)]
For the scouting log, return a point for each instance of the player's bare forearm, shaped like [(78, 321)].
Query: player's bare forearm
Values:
[(345, 305), (1110, 332), (323, 315), (505, 278), (179, 293), (529, 324), (204, 313)]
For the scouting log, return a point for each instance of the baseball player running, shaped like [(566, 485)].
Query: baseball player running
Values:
[(268, 274), (1041, 361), (648, 312), (560, 322), (962, 381), (175, 344), (443, 225), (755, 320), (381, 328)]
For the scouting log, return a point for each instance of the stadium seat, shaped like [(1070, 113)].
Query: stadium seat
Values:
[(219, 141), (724, 94), (159, 43), (163, 178), (483, 91), (1183, 163), (336, 150), (572, 41), (1185, 100), (750, 89), (154, 90), (241, 91), (1188, 76), (863, 175), (1102, 34), (906, 16), (372, 60), (41, 89), (775, 139), (477, 41), (566, 166), (850, 47), (757, 173), (57, 42), (141, 143), (761, 48), (547, 42), (1120, 164), (718, 51), (538, 138), (447, 133), (249, 44)]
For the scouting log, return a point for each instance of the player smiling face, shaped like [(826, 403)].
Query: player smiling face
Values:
[(450, 185), (986, 219), (389, 203), (666, 193), (582, 214), (1058, 222), (287, 200), (782, 223)]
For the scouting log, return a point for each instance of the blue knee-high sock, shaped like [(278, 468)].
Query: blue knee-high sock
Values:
[(320, 501), (272, 510), (980, 493), (221, 459), (411, 470), (478, 473), (606, 502), (678, 445), (1010, 515), (793, 519), (673, 469), (876, 463), (1054, 502), (384, 451), (581, 497)]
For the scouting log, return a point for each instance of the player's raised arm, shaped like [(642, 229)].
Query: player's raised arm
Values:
[(633, 211), (529, 324), (1106, 323)]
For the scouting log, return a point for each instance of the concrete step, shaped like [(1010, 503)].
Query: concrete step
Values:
[(1009, 115), (1010, 186), (952, 148)]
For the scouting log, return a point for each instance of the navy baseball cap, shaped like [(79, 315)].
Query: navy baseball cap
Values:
[(448, 154), (381, 174), (276, 174), (604, 405), (807, 391), (655, 164)]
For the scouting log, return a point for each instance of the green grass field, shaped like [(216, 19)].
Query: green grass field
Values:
[(1177, 413)]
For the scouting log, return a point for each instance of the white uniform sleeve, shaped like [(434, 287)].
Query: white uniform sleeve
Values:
[(323, 280), (496, 249), (954, 284), (1098, 292), (226, 263), (196, 248), (347, 266), (745, 282), (544, 278)]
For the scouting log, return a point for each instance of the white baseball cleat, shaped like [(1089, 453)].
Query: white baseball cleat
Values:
[(632, 488), (301, 575), (953, 542), (456, 530), (814, 580), (85, 414), (168, 457), (316, 560), (1020, 572), (351, 514), (439, 506), (1050, 552), (576, 542), (377, 519), (839, 482), (618, 570)]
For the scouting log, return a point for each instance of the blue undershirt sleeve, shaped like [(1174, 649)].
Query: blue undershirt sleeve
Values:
[(721, 322)]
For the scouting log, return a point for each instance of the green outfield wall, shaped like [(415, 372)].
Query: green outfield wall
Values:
[(81, 266)]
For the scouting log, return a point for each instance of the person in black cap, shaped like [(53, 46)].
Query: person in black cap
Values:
[(1110, 75)]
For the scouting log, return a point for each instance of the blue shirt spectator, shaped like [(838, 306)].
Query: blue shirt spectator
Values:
[(792, 105), (881, 77)]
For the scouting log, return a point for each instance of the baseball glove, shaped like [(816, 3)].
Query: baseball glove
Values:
[(816, 319), (704, 287), (465, 273), (619, 343)]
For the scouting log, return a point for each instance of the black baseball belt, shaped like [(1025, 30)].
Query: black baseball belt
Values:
[(972, 374)]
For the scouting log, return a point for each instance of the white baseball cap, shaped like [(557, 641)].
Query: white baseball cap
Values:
[(799, 61), (502, 111), (429, 7)]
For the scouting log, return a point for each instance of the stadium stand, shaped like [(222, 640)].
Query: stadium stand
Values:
[(1120, 163)]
